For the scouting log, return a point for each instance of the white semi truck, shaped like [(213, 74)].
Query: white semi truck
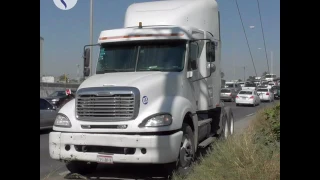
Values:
[(155, 95)]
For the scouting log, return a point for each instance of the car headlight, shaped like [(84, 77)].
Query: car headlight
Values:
[(157, 120), (62, 121)]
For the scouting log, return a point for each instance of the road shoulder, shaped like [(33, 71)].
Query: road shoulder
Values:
[(242, 124)]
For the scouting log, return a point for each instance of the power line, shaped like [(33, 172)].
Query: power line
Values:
[(245, 34), (264, 41)]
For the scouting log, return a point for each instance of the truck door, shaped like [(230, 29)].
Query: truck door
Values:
[(193, 67)]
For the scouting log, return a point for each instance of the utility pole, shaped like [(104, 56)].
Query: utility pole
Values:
[(91, 34), (234, 70), (244, 74), (78, 75), (271, 62)]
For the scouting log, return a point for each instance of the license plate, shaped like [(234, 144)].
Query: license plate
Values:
[(106, 159), (243, 98)]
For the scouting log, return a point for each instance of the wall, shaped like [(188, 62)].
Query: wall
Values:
[(48, 88)]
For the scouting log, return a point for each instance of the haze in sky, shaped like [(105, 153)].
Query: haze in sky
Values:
[(66, 32)]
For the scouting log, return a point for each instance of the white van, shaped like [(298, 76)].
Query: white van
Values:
[(270, 77), (233, 85)]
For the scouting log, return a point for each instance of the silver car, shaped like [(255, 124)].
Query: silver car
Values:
[(48, 113), (227, 94)]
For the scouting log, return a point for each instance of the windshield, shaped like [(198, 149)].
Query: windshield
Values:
[(58, 94), (270, 76), (230, 85), (225, 90), (245, 92), (145, 56), (262, 90), (250, 85), (276, 87)]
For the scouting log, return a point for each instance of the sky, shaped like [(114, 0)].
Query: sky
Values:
[(65, 32)]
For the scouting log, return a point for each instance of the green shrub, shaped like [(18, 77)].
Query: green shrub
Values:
[(253, 155)]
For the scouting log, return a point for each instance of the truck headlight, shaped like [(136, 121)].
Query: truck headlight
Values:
[(157, 120), (62, 121)]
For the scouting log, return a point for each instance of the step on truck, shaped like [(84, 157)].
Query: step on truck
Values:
[(155, 95)]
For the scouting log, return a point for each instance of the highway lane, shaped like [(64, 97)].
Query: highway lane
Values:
[(55, 170)]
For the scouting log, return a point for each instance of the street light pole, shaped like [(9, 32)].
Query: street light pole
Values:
[(91, 34), (244, 74), (271, 62), (78, 70)]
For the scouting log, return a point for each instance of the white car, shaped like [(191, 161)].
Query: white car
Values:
[(265, 94), (248, 96), (249, 86)]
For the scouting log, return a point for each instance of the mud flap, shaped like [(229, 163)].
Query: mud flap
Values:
[(215, 115)]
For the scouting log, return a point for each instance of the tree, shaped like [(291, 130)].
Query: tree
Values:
[(251, 78), (264, 73), (63, 78)]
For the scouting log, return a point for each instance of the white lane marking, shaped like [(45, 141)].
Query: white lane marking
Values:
[(64, 173), (250, 114)]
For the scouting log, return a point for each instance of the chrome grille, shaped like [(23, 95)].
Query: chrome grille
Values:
[(106, 105)]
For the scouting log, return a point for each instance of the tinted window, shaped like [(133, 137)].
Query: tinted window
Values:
[(58, 94), (250, 85), (245, 92), (230, 85), (44, 105), (145, 56), (262, 90), (162, 57), (193, 56), (225, 90)]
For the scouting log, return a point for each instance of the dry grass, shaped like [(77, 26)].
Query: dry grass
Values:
[(254, 155)]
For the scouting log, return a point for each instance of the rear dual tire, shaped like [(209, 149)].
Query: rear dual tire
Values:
[(228, 127)]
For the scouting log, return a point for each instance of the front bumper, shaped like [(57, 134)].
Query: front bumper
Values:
[(265, 98), (160, 149)]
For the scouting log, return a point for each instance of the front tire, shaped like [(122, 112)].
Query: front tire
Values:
[(187, 152), (81, 167)]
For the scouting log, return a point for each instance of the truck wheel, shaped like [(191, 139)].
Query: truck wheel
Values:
[(81, 167), (230, 119), (225, 130), (187, 151)]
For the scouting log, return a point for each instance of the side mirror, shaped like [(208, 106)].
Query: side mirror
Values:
[(211, 53), (54, 107), (86, 62), (86, 57)]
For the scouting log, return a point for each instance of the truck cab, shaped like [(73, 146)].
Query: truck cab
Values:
[(155, 95)]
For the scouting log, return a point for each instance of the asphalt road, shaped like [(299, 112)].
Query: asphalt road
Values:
[(55, 170)]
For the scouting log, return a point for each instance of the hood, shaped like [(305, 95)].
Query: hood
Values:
[(124, 78), (50, 98)]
